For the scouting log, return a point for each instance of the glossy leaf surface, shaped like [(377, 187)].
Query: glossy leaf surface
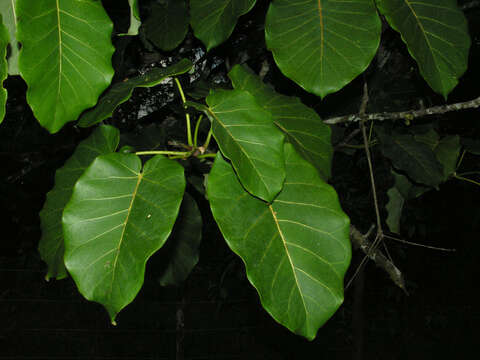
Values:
[(3, 68), (301, 124), (121, 92), (9, 18), (183, 245), (248, 137), (118, 216), (322, 45), (415, 158), (167, 24), (436, 35), (296, 250), (213, 21), (65, 57), (104, 140)]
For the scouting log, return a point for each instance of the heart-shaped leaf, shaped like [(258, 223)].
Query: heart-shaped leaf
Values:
[(183, 245), (121, 92), (213, 21), (302, 125), (436, 35), (9, 18), (65, 57), (104, 140), (118, 216), (322, 45), (296, 249), (167, 24), (3, 68), (248, 137)]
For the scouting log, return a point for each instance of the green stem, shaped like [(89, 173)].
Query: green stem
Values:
[(195, 134), (187, 115), (155, 152), (209, 155), (207, 141), (466, 179)]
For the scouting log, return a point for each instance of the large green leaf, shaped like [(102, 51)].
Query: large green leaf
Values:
[(121, 92), (248, 137), (167, 24), (296, 250), (436, 35), (3, 67), (213, 21), (104, 140), (302, 125), (322, 45), (415, 158), (118, 216), (65, 57), (183, 245), (9, 17)]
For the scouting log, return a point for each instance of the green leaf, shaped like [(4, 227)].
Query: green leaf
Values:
[(301, 124), (436, 35), (134, 19), (167, 24), (394, 209), (447, 152), (430, 138), (322, 45), (104, 140), (122, 91), (183, 245), (8, 12), (213, 21), (3, 68), (248, 137), (296, 250), (118, 216), (415, 158), (65, 57)]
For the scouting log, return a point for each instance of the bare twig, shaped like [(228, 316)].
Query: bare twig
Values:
[(361, 242), (410, 114), (417, 244)]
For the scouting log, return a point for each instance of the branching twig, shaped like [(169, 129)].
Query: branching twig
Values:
[(410, 114), (361, 242)]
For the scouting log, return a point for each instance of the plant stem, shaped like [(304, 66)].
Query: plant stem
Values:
[(187, 115), (466, 179), (203, 156), (207, 141), (166, 152), (195, 134)]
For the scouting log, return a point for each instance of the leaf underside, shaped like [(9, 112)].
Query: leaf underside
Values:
[(65, 57), (322, 45), (118, 216), (296, 249), (436, 35), (122, 91), (3, 68), (9, 18), (104, 140), (301, 124)]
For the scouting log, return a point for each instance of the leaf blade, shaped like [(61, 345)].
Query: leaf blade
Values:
[(322, 45), (119, 215), (296, 249), (65, 57), (104, 140), (9, 16)]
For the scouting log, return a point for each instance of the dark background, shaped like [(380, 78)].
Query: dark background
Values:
[(222, 315)]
